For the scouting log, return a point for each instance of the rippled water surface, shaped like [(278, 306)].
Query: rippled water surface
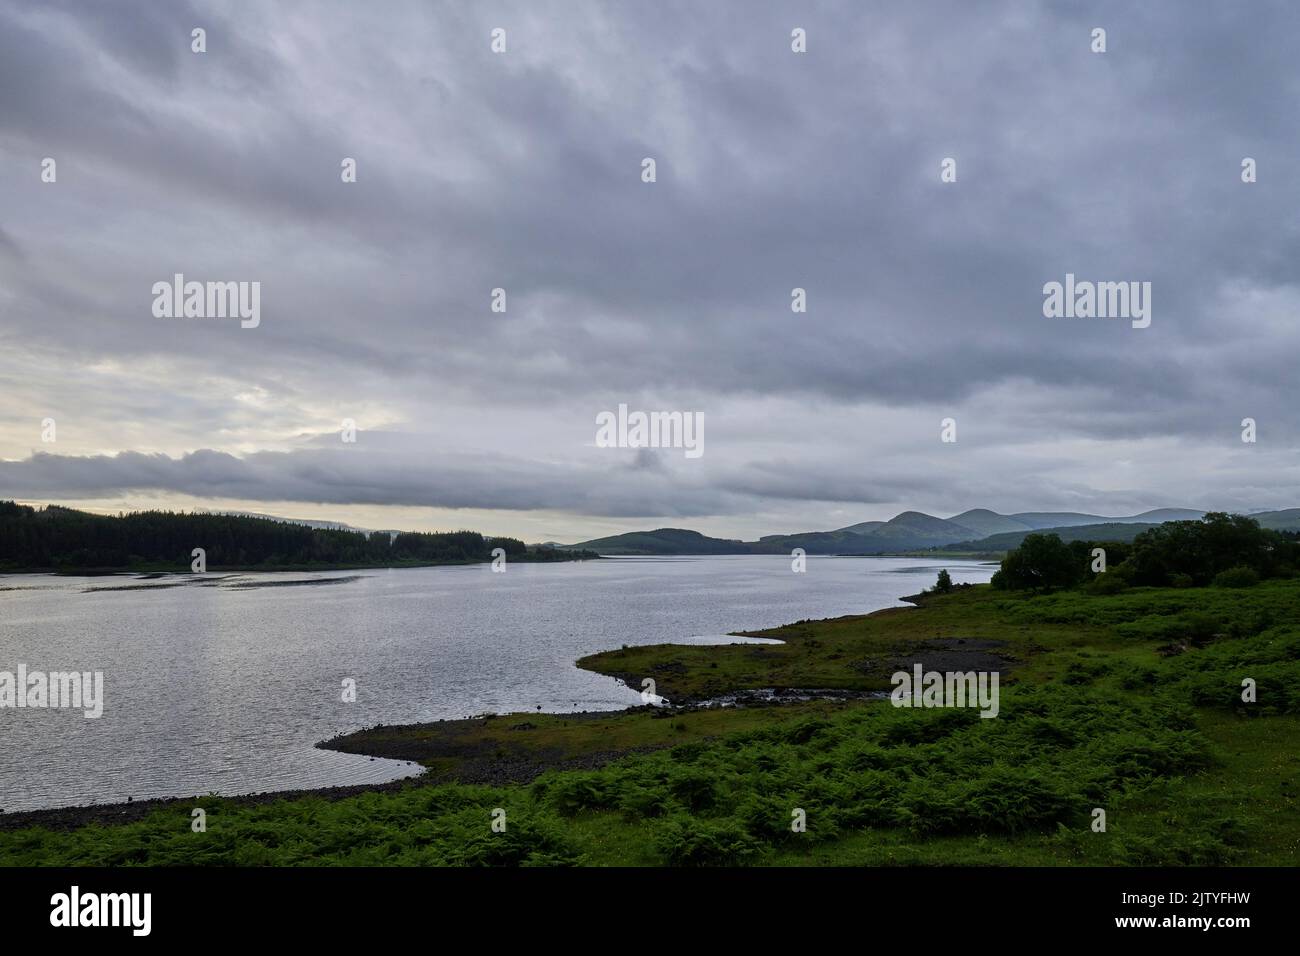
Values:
[(225, 684)]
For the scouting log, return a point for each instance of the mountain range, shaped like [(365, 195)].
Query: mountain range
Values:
[(978, 530)]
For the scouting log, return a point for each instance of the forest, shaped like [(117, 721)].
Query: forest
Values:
[(63, 539)]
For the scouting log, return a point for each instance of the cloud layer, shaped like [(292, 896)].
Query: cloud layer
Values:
[(775, 170)]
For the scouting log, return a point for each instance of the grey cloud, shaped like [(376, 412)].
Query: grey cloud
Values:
[(775, 171), (355, 477)]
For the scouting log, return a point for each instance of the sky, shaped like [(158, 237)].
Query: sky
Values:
[(522, 170)]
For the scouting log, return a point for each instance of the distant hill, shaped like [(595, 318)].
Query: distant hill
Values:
[(1288, 520), (1125, 529), (978, 529), (814, 542), (1161, 515), (663, 541), (913, 529), (1040, 520), (860, 528), (1109, 531), (904, 532), (917, 531), (985, 522)]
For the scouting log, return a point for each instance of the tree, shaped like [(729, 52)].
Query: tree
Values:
[(1202, 549), (1042, 562), (944, 584)]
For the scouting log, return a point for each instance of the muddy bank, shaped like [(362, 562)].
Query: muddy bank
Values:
[(943, 654)]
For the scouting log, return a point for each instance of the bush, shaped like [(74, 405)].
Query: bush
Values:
[(768, 818), (1238, 577), (1248, 624), (684, 841), (524, 842), (1002, 799), (696, 789), (1107, 584), (570, 793), (638, 801), (1200, 627)]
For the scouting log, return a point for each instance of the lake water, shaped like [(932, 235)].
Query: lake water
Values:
[(224, 684)]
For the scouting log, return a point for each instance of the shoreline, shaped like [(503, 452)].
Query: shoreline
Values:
[(490, 771), (155, 571), (471, 743), (70, 817)]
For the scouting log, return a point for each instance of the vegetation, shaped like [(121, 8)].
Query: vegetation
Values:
[(1130, 702), (1227, 550), (61, 539)]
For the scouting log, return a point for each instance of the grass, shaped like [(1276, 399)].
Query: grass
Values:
[(1130, 703), (477, 748)]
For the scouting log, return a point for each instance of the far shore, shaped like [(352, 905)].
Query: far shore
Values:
[(276, 568)]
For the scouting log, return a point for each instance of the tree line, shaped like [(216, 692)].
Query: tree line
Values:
[(62, 539), (1220, 549)]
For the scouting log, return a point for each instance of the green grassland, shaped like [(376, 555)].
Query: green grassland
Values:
[(1128, 702)]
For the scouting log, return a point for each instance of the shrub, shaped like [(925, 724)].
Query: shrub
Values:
[(1238, 577), (768, 818), (695, 789), (638, 801), (1200, 627), (569, 793), (519, 845), (1003, 799), (1107, 584), (685, 841)]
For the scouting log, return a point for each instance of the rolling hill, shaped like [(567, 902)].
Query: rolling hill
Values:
[(978, 529), (1107, 531), (1288, 520), (1123, 529), (663, 541)]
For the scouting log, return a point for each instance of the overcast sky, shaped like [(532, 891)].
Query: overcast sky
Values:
[(522, 170)]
